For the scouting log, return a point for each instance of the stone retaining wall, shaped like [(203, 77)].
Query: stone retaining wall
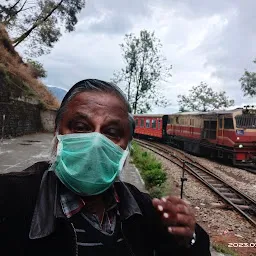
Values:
[(21, 114), (18, 118), (48, 120)]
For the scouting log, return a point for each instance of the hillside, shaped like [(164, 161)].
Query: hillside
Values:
[(16, 79), (59, 93)]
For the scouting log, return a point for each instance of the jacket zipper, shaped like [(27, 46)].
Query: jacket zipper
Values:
[(126, 241), (76, 247)]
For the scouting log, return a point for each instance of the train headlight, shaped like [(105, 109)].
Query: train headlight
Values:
[(240, 146), (238, 138)]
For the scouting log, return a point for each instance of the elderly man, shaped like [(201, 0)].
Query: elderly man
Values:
[(76, 205)]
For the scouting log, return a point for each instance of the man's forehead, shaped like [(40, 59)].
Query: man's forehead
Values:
[(97, 100)]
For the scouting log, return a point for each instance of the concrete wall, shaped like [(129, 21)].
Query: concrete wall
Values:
[(48, 120)]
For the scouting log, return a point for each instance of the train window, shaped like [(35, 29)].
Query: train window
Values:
[(228, 123), (159, 124), (213, 125), (136, 122), (147, 123), (246, 121), (210, 129), (170, 120), (207, 124), (141, 122), (154, 123), (192, 122)]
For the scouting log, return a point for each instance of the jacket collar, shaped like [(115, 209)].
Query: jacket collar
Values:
[(128, 205), (48, 207)]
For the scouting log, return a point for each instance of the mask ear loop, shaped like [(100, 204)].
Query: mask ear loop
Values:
[(123, 162), (53, 149)]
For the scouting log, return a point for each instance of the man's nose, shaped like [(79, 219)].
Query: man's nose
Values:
[(97, 129)]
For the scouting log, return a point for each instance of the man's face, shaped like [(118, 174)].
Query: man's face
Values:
[(97, 112)]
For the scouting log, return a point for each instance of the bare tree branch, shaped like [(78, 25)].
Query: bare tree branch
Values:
[(37, 23), (7, 21)]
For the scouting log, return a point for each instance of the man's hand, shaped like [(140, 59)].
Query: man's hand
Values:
[(176, 215)]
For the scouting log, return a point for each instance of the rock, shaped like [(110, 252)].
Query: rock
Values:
[(218, 206)]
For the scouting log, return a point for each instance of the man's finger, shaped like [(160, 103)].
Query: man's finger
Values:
[(181, 231), (181, 208), (165, 206), (175, 200), (185, 220), (178, 220)]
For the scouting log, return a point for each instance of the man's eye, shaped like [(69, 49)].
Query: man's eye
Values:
[(114, 133), (80, 127)]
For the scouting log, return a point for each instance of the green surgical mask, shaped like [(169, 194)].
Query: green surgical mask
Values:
[(88, 163)]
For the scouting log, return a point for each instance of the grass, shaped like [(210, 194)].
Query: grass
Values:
[(224, 249), (16, 73), (151, 170)]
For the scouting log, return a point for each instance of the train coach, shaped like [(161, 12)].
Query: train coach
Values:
[(223, 134)]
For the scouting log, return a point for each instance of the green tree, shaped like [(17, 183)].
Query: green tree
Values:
[(144, 68), (39, 24), (182, 109), (248, 83), (36, 68), (203, 98)]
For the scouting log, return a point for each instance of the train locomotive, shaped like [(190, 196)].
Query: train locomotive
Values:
[(227, 134)]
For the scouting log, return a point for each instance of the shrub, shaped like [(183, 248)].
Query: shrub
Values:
[(224, 249), (154, 177), (36, 68), (150, 169), (156, 192)]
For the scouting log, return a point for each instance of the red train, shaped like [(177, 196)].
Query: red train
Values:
[(224, 134)]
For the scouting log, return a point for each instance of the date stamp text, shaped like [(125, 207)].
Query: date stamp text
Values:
[(251, 245)]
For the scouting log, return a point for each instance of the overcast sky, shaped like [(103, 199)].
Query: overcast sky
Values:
[(210, 41)]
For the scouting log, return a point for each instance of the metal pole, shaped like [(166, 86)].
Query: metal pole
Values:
[(183, 179)]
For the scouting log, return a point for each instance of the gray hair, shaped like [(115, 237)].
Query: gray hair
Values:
[(94, 85)]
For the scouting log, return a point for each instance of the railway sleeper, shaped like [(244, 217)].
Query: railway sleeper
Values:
[(210, 180), (218, 185), (204, 176), (244, 207), (228, 194), (223, 190), (237, 201)]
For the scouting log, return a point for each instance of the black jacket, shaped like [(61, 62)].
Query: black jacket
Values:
[(144, 234)]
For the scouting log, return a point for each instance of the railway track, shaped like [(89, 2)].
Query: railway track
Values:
[(239, 201)]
